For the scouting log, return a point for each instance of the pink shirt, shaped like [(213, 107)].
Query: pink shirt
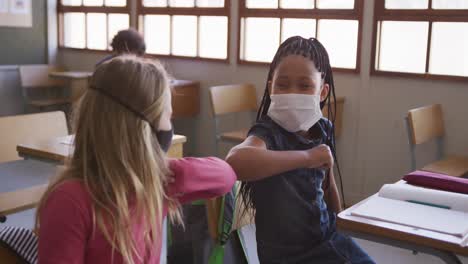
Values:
[(66, 232)]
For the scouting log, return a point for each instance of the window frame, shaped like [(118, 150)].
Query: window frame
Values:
[(422, 15), (62, 9), (187, 11), (315, 13)]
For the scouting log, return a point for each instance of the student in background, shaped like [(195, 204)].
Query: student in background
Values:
[(109, 204), (128, 41), (286, 162)]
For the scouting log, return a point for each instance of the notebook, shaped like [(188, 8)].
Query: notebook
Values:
[(417, 207)]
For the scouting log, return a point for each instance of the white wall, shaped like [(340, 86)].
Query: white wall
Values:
[(373, 149)]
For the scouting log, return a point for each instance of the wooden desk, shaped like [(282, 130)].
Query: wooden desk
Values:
[(55, 151), (433, 243), (77, 81), (70, 75), (22, 184)]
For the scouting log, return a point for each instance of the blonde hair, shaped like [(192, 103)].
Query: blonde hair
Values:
[(117, 156)]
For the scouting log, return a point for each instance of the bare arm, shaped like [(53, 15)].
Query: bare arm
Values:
[(332, 196), (251, 160)]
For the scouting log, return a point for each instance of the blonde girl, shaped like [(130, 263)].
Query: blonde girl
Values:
[(109, 203)]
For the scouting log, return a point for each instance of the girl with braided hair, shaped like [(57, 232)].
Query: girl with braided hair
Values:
[(286, 162)]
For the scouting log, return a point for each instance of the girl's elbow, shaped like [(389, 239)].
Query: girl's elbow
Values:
[(234, 159), (229, 180), (232, 156)]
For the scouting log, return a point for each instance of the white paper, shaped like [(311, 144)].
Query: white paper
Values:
[(423, 233), (407, 192), (249, 243), (3, 6), (163, 257), (68, 140), (439, 220), (20, 6)]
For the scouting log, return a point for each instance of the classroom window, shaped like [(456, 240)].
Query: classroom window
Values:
[(421, 38), (91, 24), (185, 28), (265, 24)]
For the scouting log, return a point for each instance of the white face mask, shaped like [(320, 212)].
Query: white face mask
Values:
[(295, 112)]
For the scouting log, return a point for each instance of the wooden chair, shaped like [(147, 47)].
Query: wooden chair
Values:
[(7, 256), (36, 77), (20, 129), (14, 202), (426, 124), (23, 128), (232, 99)]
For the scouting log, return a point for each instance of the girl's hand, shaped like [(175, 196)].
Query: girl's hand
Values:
[(320, 157)]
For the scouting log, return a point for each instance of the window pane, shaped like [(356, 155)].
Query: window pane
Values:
[(182, 3), (96, 31), (450, 4), (71, 2), (155, 3), (74, 30), (213, 37), (210, 3), (405, 4), (93, 2), (158, 34), (262, 4), (403, 46), (340, 38), (116, 2), (117, 22), (261, 38), (335, 4), (297, 4), (298, 27), (184, 35), (449, 55)]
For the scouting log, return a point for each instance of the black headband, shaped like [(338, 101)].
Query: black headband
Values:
[(120, 102)]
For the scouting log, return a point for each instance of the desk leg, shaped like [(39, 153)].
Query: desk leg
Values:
[(446, 256)]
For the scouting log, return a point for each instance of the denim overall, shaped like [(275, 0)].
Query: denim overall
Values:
[(293, 223)]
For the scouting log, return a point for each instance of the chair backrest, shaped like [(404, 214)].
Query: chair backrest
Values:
[(226, 99), (26, 128), (37, 76), (425, 123)]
